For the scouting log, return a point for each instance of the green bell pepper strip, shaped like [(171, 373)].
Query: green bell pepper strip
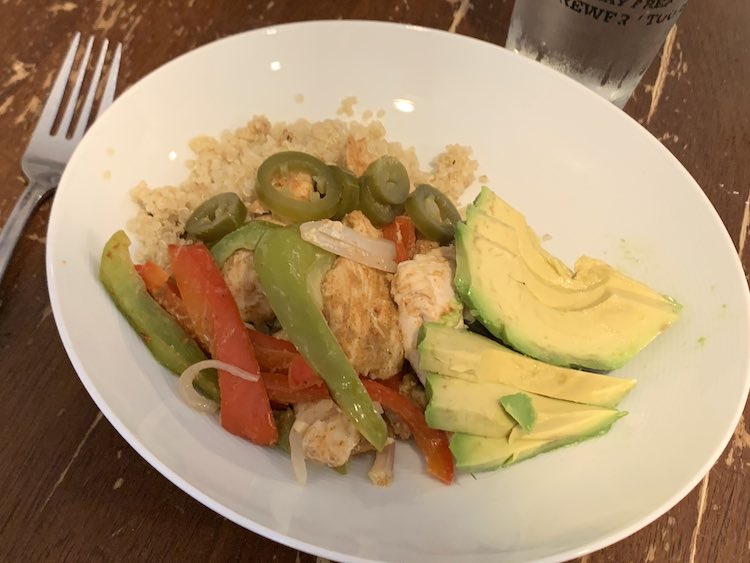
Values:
[(284, 422), (379, 214), (207, 384), (289, 270), (288, 207), (387, 180), (434, 215), (349, 191), (244, 238), (216, 217), (170, 345)]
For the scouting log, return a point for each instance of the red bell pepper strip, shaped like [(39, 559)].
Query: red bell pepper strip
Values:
[(277, 355), (301, 375), (404, 236), (245, 408), (394, 382), (273, 354), (280, 392), (165, 293), (432, 443), (154, 276), (261, 340), (274, 360)]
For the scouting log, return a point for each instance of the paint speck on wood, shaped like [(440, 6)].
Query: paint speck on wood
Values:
[(19, 71), (463, 7), (740, 441), (702, 496), (62, 7), (30, 112), (7, 102), (661, 77), (743, 227)]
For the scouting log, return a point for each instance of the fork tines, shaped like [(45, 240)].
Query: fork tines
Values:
[(54, 103)]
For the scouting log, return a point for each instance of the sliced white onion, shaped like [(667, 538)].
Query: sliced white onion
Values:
[(378, 407), (381, 472), (297, 455), (196, 400), (339, 239)]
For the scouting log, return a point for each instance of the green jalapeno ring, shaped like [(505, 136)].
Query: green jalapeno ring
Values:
[(288, 207), (216, 217), (434, 215), (387, 180), (349, 191), (379, 214)]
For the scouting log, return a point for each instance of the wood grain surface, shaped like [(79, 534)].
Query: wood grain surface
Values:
[(71, 489)]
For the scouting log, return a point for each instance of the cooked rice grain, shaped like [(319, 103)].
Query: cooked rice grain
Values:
[(230, 163)]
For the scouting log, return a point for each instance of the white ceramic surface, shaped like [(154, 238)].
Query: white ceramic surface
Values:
[(580, 169)]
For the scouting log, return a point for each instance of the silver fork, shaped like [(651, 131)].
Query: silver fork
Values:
[(47, 154)]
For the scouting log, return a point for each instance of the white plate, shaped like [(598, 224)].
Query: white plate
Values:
[(580, 170)]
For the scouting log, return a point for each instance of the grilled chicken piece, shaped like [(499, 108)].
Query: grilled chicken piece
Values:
[(411, 388), (358, 307), (331, 438), (424, 246), (400, 429), (240, 276), (424, 291)]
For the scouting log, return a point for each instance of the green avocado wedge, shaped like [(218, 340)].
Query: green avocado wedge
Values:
[(475, 408), (480, 453), (462, 354), (594, 317)]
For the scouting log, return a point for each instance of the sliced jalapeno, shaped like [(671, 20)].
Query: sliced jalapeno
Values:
[(349, 191), (434, 215), (322, 204), (387, 180), (216, 217), (379, 214)]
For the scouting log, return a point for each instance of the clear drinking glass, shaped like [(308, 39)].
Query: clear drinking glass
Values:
[(607, 45)]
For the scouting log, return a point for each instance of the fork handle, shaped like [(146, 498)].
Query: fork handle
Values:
[(11, 232)]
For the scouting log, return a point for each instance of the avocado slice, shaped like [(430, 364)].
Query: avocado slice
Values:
[(480, 453), (459, 406), (594, 317), (465, 355), (456, 405)]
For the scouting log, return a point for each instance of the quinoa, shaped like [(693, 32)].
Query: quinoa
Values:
[(347, 106), (229, 164)]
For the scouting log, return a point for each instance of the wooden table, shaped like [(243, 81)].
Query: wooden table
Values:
[(72, 489)]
